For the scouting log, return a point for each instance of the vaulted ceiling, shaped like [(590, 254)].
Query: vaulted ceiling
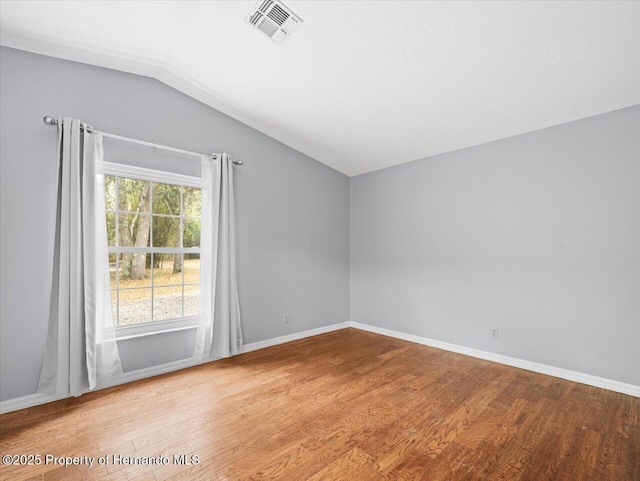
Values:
[(362, 85)]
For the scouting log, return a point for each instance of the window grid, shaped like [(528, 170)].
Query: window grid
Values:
[(116, 321), (182, 244), (119, 250), (159, 286), (151, 243)]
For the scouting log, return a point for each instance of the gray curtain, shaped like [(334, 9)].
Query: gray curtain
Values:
[(219, 333), (81, 352)]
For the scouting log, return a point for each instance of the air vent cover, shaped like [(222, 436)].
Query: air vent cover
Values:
[(273, 19)]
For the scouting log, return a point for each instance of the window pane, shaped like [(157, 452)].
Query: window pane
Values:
[(134, 270), (134, 306), (191, 268), (191, 233), (166, 199), (191, 300), (166, 231), (111, 228), (167, 269), (133, 230), (192, 201), (167, 303), (134, 195), (153, 214), (110, 192)]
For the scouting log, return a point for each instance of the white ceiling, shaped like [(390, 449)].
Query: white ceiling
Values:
[(362, 85)]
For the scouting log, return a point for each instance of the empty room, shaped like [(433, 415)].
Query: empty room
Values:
[(320, 240)]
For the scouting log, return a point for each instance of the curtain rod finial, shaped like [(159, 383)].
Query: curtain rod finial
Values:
[(50, 120)]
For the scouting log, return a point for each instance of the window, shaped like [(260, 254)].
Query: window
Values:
[(153, 228)]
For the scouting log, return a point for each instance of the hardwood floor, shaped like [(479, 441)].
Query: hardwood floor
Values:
[(347, 405)]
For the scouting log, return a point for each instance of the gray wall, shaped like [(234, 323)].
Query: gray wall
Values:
[(538, 235), (292, 212)]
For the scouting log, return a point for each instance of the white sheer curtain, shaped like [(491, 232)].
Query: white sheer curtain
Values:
[(81, 351), (219, 333)]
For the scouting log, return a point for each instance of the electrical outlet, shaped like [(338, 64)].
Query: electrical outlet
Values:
[(286, 318), (494, 333)]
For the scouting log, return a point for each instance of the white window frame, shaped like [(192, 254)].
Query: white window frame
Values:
[(152, 175)]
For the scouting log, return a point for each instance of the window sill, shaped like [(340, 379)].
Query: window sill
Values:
[(150, 329)]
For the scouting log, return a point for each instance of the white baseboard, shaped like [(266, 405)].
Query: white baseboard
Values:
[(40, 398), (28, 401), (254, 346), (37, 399), (580, 377), (185, 363), (154, 371), (617, 386)]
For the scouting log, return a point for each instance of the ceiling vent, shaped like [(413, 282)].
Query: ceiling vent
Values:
[(273, 19)]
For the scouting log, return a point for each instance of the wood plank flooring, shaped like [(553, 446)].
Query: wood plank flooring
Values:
[(346, 405)]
